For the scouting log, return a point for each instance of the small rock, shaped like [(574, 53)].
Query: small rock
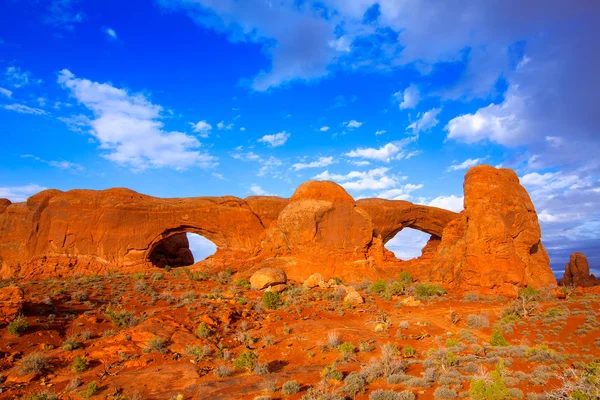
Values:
[(411, 302), (276, 288), (314, 280), (266, 277), (353, 298)]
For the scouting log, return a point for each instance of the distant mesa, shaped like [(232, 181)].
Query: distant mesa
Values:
[(493, 245)]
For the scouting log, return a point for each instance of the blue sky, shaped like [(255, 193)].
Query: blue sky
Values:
[(390, 98)]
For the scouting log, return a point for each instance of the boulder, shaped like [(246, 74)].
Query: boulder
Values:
[(577, 272), (11, 303), (314, 280), (266, 277), (354, 298)]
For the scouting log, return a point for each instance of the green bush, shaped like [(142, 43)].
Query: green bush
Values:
[(70, 344), (79, 364), (346, 350), (121, 318), (34, 362), (18, 326), (272, 300), (243, 283), (408, 351), (492, 389), (156, 344), (92, 389), (203, 330), (497, 339), (405, 278), (246, 360), (378, 287), (429, 290), (331, 372), (290, 387)]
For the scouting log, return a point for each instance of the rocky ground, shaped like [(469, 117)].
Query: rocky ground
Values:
[(181, 335)]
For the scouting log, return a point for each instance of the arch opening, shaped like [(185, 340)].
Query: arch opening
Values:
[(181, 249), (408, 243)]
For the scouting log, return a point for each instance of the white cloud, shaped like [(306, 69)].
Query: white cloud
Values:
[(62, 14), (375, 179), (451, 202), (275, 140), (270, 166), (242, 129), (360, 163), (19, 78), (64, 165), (321, 162), (23, 109), (425, 121), (324, 129), (6, 92), (202, 128), (258, 191), (400, 193), (381, 132), (111, 33), (222, 126), (386, 153), (468, 163), (409, 98), (352, 124), (20, 193), (76, 123), (129, 129)]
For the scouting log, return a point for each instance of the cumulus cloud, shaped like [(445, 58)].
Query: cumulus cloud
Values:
[(374, 179), (223, 126), (202, 128), (129, 130), (258, 191), (321, 162), (324, 129), (381, 132), (275, 140), (409, 98), (425, 121), (352, 124), (23, 109), (468, 163), (268, 166), (299, 43), (20, 193), (385, 153), (400, 193), (451, 202), (17, 77)]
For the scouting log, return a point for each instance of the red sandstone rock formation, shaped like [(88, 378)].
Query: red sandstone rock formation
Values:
[(496, 241), (11, 303), (493, 244), (577, 272)]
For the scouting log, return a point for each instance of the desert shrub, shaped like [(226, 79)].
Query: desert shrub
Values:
[(290, 387), (477, 321), (380, 394), (243, 283), (493, 388), (346, 350), (18, 326), (41, 396), (195, 275), (92, 389), (515, 393), (378, 287), (353, 384), (429, 290), (542, 353), (196, 352), (445, 393), (121, 318), (79, 364), (272, 300), (334, 339), (405, 278), (246, 360), (579, 384), (408, 351), (331, 372), (222, 371), (156, 344), (203, 330), (416, 382), (70, 344), (497, 339), (34, 362), (260, 369)]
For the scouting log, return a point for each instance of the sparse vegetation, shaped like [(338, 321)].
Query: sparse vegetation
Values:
[(18, 326), (33, 363), (290, 387), (246, 361), (425, 290), (272, 300)]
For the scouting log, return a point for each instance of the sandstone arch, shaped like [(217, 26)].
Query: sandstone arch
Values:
[(494, 244)]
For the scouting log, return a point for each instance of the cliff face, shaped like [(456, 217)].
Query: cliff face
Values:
[(494, 244)]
